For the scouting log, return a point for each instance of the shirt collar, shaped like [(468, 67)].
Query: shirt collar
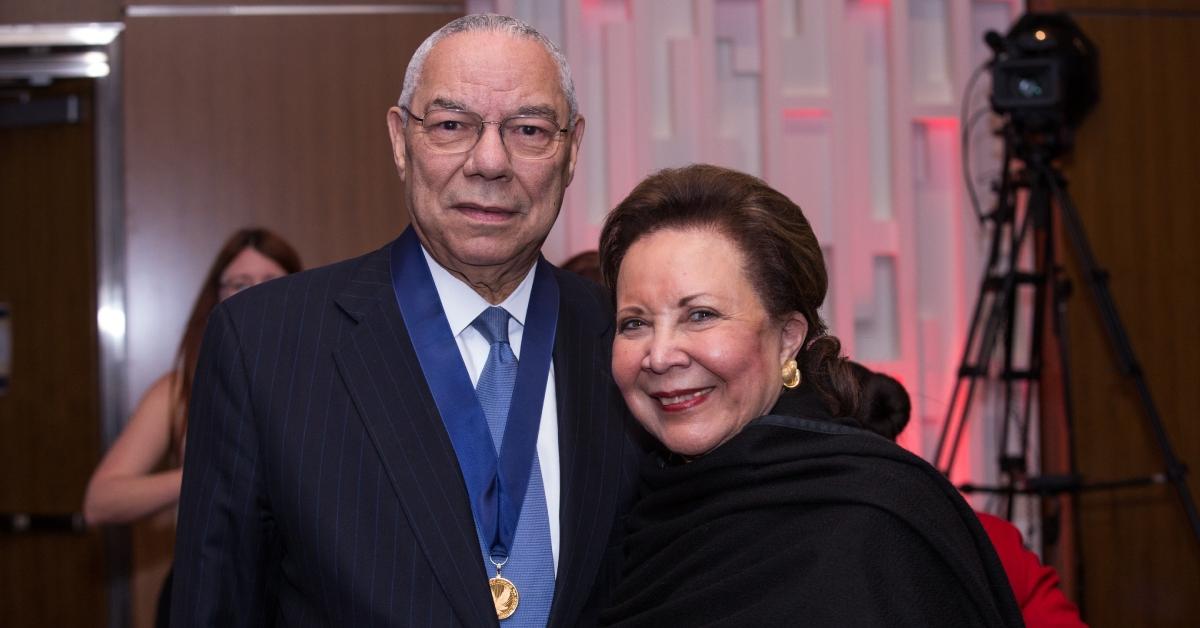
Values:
[(463, 305)]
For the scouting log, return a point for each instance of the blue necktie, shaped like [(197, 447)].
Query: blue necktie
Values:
[(530, 563)]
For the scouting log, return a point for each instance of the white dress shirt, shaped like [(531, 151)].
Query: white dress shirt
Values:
[(463, 305)]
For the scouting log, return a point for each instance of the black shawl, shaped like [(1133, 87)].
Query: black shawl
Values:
[(801, 521)]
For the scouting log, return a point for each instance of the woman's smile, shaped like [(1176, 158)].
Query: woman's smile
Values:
[(680, 400)]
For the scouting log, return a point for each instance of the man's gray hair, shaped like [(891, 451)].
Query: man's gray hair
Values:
[(487, 22)]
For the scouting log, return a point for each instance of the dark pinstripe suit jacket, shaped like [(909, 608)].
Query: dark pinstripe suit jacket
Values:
[(321, 488)]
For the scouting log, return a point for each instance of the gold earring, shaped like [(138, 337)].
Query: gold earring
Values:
[(791, 374)]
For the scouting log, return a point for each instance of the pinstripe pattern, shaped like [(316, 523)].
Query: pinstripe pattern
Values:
[(321, 488)]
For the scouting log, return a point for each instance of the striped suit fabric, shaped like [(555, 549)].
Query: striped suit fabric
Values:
[(321, 489)]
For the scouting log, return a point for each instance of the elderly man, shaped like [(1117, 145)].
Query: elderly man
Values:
[(426, 435)]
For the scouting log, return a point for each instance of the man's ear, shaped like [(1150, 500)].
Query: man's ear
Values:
[(395, 122), (576, 139), (795, 328)]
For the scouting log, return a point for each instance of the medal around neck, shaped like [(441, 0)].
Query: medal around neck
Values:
[(504, 594), (495, 484)]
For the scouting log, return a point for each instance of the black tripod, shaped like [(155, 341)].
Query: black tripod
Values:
[(994, 320)]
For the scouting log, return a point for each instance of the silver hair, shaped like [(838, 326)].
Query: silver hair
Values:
[(488, 22)]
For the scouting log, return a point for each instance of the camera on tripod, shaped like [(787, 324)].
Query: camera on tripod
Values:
[(1044, 77), (1045, 80)]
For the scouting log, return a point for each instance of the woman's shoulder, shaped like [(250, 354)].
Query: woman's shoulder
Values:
[(850, 465), (807, 437), (162, 400), (164, 382), (788, 438), (160, 391)]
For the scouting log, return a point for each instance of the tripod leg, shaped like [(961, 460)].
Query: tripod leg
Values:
[(958, 408), (1097, 281), (1060, 291), (998, 318), (1016, 250), (968, 373), (1016, 464)]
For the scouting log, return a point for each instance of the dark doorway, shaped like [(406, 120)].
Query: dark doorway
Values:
[(51, 568)]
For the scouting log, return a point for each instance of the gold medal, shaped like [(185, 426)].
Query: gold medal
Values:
[(504, 593), (504, 596)]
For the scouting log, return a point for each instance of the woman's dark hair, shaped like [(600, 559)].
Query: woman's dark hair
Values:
[(884, 406), (784, 262), (259, 239)]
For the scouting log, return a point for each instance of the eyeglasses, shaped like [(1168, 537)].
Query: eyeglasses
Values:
[(451, 131), (233, 285)]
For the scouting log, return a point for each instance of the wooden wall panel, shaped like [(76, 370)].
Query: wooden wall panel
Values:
[(49, 417), (232, 121), (1133, 178), (59, 11)]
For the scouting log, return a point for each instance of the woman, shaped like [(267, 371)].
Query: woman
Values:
[(765, 509), (140, 475)]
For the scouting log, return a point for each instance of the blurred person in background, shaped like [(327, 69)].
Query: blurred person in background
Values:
[(585, 264), (140, 474)]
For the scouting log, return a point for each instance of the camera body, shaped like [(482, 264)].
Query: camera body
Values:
[(1044, 74)]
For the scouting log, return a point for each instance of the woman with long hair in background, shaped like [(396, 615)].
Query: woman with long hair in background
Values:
[(140, 474)]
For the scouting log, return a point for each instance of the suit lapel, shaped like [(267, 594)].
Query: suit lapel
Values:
[(384, 378), (590, 442)]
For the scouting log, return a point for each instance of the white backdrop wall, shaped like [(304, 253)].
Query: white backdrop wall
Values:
[(851, 107)]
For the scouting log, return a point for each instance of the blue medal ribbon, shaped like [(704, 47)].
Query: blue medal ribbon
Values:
[(496, 487)]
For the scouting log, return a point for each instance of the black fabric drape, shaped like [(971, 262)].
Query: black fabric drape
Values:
[(802, 521)]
